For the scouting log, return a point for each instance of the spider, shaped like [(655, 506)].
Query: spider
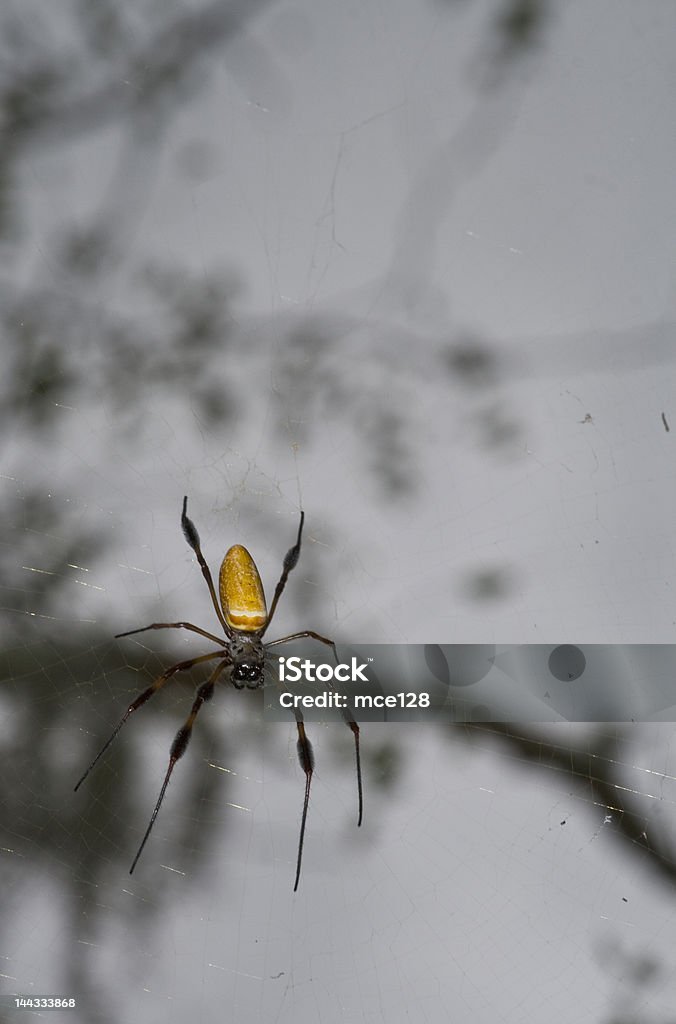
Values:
[(243, 614)]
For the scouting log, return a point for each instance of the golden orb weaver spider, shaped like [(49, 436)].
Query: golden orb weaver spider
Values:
[(243, 614)]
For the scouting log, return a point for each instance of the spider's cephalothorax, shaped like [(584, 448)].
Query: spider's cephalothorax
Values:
[(248, 663), (243, 615)]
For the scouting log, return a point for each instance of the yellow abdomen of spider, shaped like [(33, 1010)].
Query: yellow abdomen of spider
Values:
[(241, 592)]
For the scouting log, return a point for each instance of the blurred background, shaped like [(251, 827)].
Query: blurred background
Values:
[(409, 267)]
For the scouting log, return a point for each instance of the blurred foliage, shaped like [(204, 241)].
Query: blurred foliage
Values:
[(67, 74), (519, 23), (133, 66)]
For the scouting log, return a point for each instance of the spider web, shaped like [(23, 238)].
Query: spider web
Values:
[(405, 271)]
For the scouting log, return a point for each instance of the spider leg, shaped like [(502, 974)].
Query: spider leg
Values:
[(290, 562), (182, 666), (178, 747), (346, 713), (306, 633), (193, 538), (354, 726), (307, 762), (173, 625)]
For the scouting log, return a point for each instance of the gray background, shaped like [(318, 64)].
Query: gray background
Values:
[(409, 267)]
